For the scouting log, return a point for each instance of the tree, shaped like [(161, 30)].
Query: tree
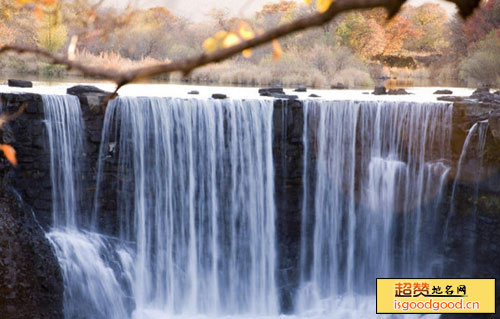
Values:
[(362, 35), (328, 9), (51, 33), (430, 21), (483, 63)]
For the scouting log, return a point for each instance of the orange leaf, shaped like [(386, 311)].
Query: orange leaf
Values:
[(247, 54), (38, 13), (277, 50), (48, 2), (10, 153)]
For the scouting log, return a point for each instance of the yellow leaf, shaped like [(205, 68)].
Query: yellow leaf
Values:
[(210, 45), (247, 54), (307, 1), (245, 31), (10, 153), (323, 5), (230, 40), (220, 36), (277, 50)]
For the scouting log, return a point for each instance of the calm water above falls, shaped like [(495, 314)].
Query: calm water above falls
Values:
[(196, 213)]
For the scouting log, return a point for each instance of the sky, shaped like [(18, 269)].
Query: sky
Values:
[(196, 9)]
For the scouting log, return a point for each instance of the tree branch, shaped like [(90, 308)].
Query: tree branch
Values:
[(121, 78)]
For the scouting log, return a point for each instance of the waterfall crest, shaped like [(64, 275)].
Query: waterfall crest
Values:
[(379, 172)]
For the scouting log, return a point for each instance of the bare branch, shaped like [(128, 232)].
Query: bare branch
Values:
[(466, 7)]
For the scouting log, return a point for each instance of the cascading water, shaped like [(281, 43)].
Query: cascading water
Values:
[(89, 261), (64, 123), (195, 197), (193, 227), (467, 181), (379, 175)]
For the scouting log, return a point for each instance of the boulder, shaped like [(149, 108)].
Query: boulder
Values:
[(301, 88), (19, 83), (271, 91), (380, 90), (85, 89), (338, 86), (397, 92), (219, 96), (314, 95), (450, 98), (194, 92), (442, 92), (481, 91)]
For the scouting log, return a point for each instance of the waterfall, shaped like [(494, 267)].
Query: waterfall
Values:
[(467, 181), (91, 263), (64, 124), (184, 213), (379, 172), (195, 201)]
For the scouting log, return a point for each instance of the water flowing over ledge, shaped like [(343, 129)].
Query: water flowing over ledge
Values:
[(195, 205), (255, 208)]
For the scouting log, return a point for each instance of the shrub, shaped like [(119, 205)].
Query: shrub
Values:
[(483, 63)]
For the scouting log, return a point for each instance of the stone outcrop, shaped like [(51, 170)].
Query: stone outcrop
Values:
[(19, 83), (379, 90), (443, 92), (31, 284), (397, 92)]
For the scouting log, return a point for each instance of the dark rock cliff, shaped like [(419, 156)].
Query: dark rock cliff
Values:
[(31, 284)]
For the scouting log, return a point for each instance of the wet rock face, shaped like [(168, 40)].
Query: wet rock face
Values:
[(288, 152), (32, 284)]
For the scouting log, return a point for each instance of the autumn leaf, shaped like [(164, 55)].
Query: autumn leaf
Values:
[(247, 54), (38, 13), (10, 153), (220, 35), (307, 1), (245, 31), (323, 5), (209, 45), (230, 40), (277, 50)]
